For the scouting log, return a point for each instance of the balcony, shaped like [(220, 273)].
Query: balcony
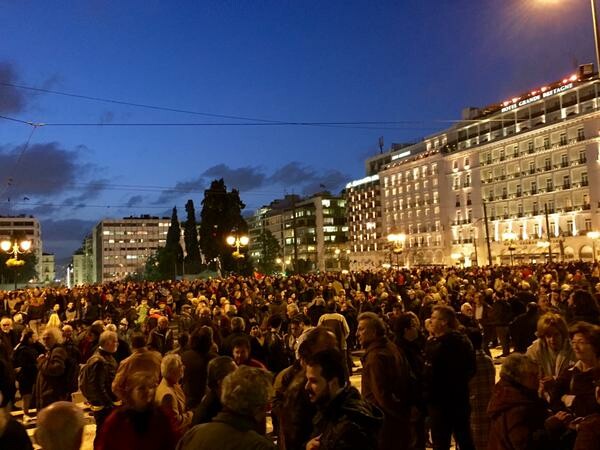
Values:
[(566, 186)]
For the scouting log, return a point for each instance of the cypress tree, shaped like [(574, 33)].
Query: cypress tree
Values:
[(190, 235)]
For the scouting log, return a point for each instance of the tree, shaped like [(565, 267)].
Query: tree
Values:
[(221, 215), (20, 273), (171, 256), (269, 251), (190, 236)]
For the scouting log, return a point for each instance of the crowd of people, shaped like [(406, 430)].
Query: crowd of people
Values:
[(204, 364)]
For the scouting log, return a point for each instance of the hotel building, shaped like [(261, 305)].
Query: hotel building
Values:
[(531, 164)]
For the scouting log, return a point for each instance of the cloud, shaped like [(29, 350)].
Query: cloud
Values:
[(293, 173), (242, 179), (90, 191), (308, 179), (42, 169), (134, 201), (62, 237), (180, 189), (331, 180), (12, 100)]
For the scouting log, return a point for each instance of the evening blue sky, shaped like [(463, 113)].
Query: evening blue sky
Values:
[(420, 61)]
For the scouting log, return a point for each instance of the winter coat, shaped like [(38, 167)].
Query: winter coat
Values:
[(161, 341), (127, 429), (101, 371), (348, 422), (542, 355), (588, 434), (449, 365), (517, 419), (227, 431), (194, 375), (386, 384), (51, 385), (579, 384)]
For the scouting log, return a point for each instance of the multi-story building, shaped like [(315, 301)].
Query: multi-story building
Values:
[(413, 199), (84, 263), (309, 231), (48, 269), (24, 227), (533, 163), (121, 246)]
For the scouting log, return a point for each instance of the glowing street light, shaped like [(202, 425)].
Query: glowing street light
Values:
[(594, 235), (237, 242), (397, 240), (510, 237), (15, 249)]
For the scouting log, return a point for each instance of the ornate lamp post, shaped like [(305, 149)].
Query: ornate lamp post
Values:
[(237, 241), (510, 237), (397, 240), (15, 249), (594, 235)]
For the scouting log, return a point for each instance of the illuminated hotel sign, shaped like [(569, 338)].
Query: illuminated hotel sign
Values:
[(400, 155), (537, 96), (362, 181)]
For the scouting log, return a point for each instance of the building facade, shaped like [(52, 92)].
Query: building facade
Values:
[(530, 166), (48, 273), (311, 232), (120, 247)]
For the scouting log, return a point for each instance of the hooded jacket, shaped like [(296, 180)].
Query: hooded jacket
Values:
[(348, 422)]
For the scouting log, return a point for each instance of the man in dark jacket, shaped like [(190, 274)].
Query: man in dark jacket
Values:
[(344, 420), (97, 378), (449, 365), (385, 381), (161, 338), (52, 383)]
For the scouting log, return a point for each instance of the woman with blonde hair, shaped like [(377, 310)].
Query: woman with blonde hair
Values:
[(139, 424), (552, 349)]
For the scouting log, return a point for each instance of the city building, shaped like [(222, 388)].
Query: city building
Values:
[(48, 273), (531, 165), (84, 263), (413, 199), (312, 232), (24, 227), (120, 247)]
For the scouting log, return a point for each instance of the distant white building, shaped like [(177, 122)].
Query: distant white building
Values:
[(48, 273)]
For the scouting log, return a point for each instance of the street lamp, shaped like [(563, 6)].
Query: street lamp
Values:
[(593, 235), (15, 249), (237, 242), (510, 237), (397, 240), (283, 263)]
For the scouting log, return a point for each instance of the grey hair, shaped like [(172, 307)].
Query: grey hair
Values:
[(516, 366), (60, 426), (169, 364), (56, 334), (218, 369), (247, 391), (107, 336), (237, 323)]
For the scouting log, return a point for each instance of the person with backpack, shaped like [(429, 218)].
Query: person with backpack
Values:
[(385, 382), (96, 377)]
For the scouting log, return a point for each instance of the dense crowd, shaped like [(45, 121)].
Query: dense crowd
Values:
[(205, 364)]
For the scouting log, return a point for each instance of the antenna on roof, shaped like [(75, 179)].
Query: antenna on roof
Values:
[(380, 143)]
